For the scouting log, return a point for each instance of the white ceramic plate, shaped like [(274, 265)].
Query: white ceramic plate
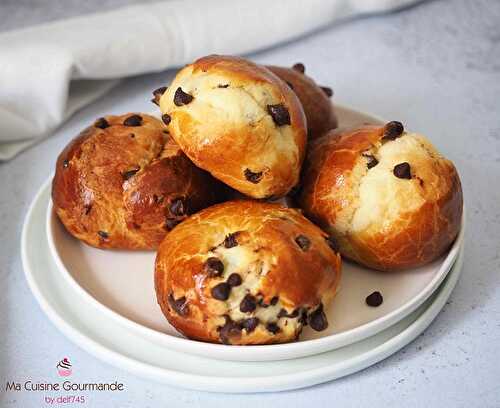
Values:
[(103, 336), (120, 285)]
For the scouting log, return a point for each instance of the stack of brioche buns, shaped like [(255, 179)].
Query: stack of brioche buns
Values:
[(204, 183)]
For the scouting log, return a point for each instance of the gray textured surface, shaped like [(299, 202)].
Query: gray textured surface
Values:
[(435, 67)]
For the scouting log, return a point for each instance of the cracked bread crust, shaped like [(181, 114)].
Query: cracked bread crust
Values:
[(246, 272), (318, 108), (382, 218), (121, 185), (238, 121)]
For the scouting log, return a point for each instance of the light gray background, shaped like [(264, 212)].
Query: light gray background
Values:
[(436, 68)]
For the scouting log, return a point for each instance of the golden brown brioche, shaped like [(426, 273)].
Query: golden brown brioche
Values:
[(315, 100), (388, 197), (238, 121), (246, 272), (123, 183)]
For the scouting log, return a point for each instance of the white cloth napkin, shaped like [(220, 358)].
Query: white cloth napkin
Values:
[(49, 71)]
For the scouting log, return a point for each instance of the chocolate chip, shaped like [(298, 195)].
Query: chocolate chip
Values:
[(303, 242), (170, 223), (223, 86), (166, 119), (156, 102), (284, 313), (289, 84), (402, 170), (273, 328), (221, 291), (274, 300), (250, 324), (101, 123), (372, 161), (132, 135), (393, 130), (375, 299), (328, 91), (214, 267), (129, 173), (234, 280), (160, 91), (133, 120), (299, 67), (65, 164), (230, 329), (180, 305), (317, 319), (230, 240), (182, 98), (332, 243), (178, 207), (103, 234), (252, 177), (248, 304), (279, 113)]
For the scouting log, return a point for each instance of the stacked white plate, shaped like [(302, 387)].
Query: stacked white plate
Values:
[(105, 302)]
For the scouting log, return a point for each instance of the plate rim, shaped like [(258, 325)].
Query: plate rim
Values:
[(270, 352), (235, 384)]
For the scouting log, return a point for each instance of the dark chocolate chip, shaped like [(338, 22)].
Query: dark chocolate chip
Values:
[(230, 240), (393, 130), (250, 324), (214, 267), (65, 164), (221, 291), (229, 330), (180, 305), (375, 299), (223, 86), (299, 67), (332, 243), (103, 234), (273, 328), (317, 319), (289, 84), (328, 91), (279, 113), (166, 119), (181, 97), (132, 135), (303, 242), (248, 304), (155, 101), (160, 91), (178, 207), (284, 313), (252, 177), (129, 173), (133, 120), (372, 161), (274, 300), (101, 123), (234, 280), (402, 170), (170, 223)]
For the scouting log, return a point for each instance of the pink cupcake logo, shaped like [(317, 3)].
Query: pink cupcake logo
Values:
[(64, 368)]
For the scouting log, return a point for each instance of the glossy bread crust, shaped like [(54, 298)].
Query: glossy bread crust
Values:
[(318, 107), (238, 121), (390, 203), (286, 271), (125, 186)]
